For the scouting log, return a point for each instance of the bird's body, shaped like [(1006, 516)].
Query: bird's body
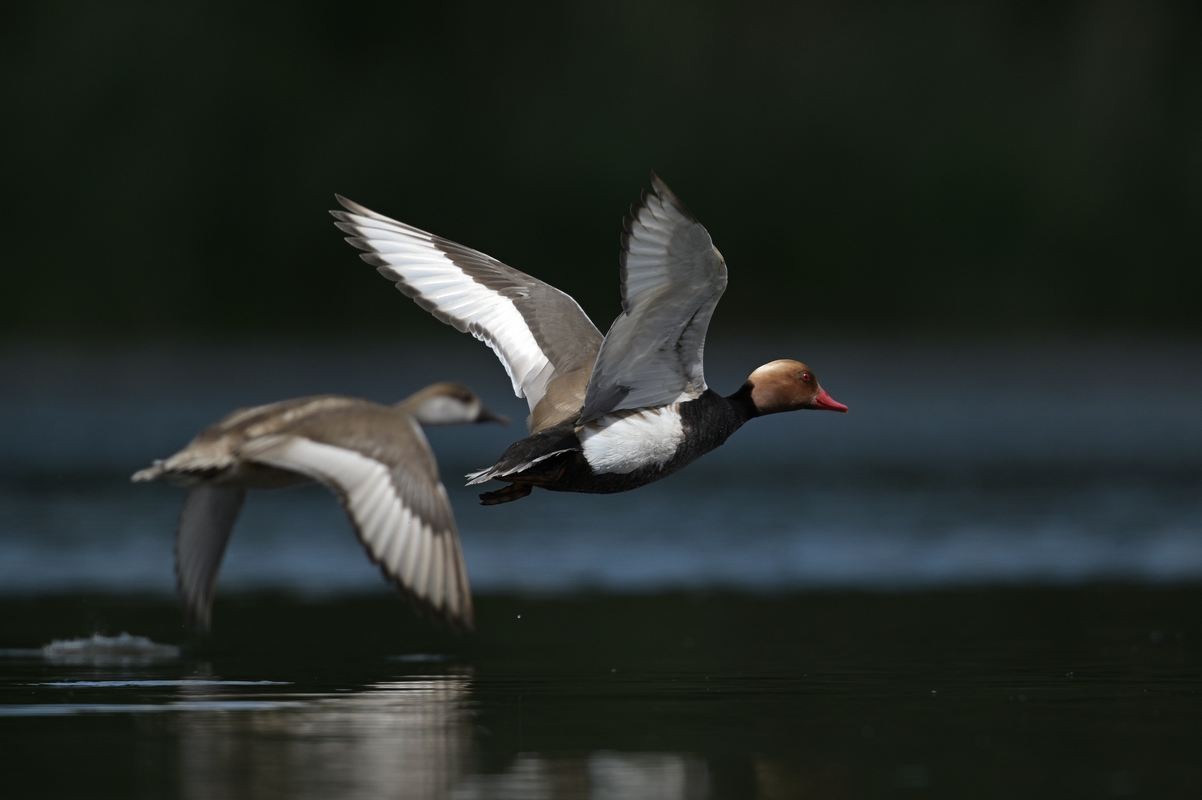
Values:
[(619, 451), (608, 413), (374, 457)]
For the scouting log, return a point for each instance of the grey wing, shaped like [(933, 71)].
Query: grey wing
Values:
[(672, 278), (539, 333), (204, 529), (400, 512)]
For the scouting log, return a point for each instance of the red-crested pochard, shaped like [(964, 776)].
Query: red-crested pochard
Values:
[(606, 414), (374, 457)]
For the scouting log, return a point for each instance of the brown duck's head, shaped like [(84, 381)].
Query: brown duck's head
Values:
[(788, 385), (449, 404)]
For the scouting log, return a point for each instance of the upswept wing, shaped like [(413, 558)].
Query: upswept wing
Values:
[(540, 334), (672, 278)]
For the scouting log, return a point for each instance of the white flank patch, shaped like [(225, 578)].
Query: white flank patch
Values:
[(625, 442)]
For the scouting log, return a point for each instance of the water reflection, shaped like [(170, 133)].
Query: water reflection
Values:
[(602, 775), (672, 696), (409, 737), (413, 737)]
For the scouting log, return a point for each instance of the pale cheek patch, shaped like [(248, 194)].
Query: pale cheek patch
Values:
[(622, 444), (443, 411)]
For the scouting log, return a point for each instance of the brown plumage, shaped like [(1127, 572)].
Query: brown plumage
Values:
[(375, 458)]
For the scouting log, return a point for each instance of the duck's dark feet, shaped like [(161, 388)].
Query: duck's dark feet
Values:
[(514, 491)]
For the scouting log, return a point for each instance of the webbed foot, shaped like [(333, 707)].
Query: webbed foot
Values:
[(514, 491)]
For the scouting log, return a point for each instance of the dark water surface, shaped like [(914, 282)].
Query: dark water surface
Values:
[(986, 580), (1088, 692)]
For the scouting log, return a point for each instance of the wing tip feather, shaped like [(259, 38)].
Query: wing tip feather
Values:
[(442, 612), (351, 206), (668, 197)]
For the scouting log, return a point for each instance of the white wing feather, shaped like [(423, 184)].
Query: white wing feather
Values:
[(535, 330), (396, 537)]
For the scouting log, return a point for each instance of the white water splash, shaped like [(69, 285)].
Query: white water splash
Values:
[(124, 648)]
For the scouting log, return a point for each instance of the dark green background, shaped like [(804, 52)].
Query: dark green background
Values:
[(997, 167)]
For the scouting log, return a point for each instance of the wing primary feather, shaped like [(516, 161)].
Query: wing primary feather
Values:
[(387, 505), (538, 333), (206, 521), (671, 278)]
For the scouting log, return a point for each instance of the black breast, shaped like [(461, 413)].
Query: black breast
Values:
[(708, 421)]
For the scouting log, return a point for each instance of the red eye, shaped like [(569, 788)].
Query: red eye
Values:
[(806, 377)]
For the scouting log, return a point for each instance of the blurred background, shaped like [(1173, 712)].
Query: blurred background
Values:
[(978, 222), (994, 167)]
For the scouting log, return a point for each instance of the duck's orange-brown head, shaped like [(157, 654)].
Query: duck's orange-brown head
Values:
[(788, 385)]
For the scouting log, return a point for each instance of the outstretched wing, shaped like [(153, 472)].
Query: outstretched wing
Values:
[(400, 512), (540, 334), (204, 530), (672, 279)]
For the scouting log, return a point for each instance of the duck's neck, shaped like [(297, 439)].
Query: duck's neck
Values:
[(709, 421), (741, 404)]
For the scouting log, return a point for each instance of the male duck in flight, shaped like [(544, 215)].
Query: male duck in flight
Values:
[(608, 413)]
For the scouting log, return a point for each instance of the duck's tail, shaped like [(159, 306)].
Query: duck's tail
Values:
[(151, 473), (480, 475), (505, 467), (185, 468), (525, 453)]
